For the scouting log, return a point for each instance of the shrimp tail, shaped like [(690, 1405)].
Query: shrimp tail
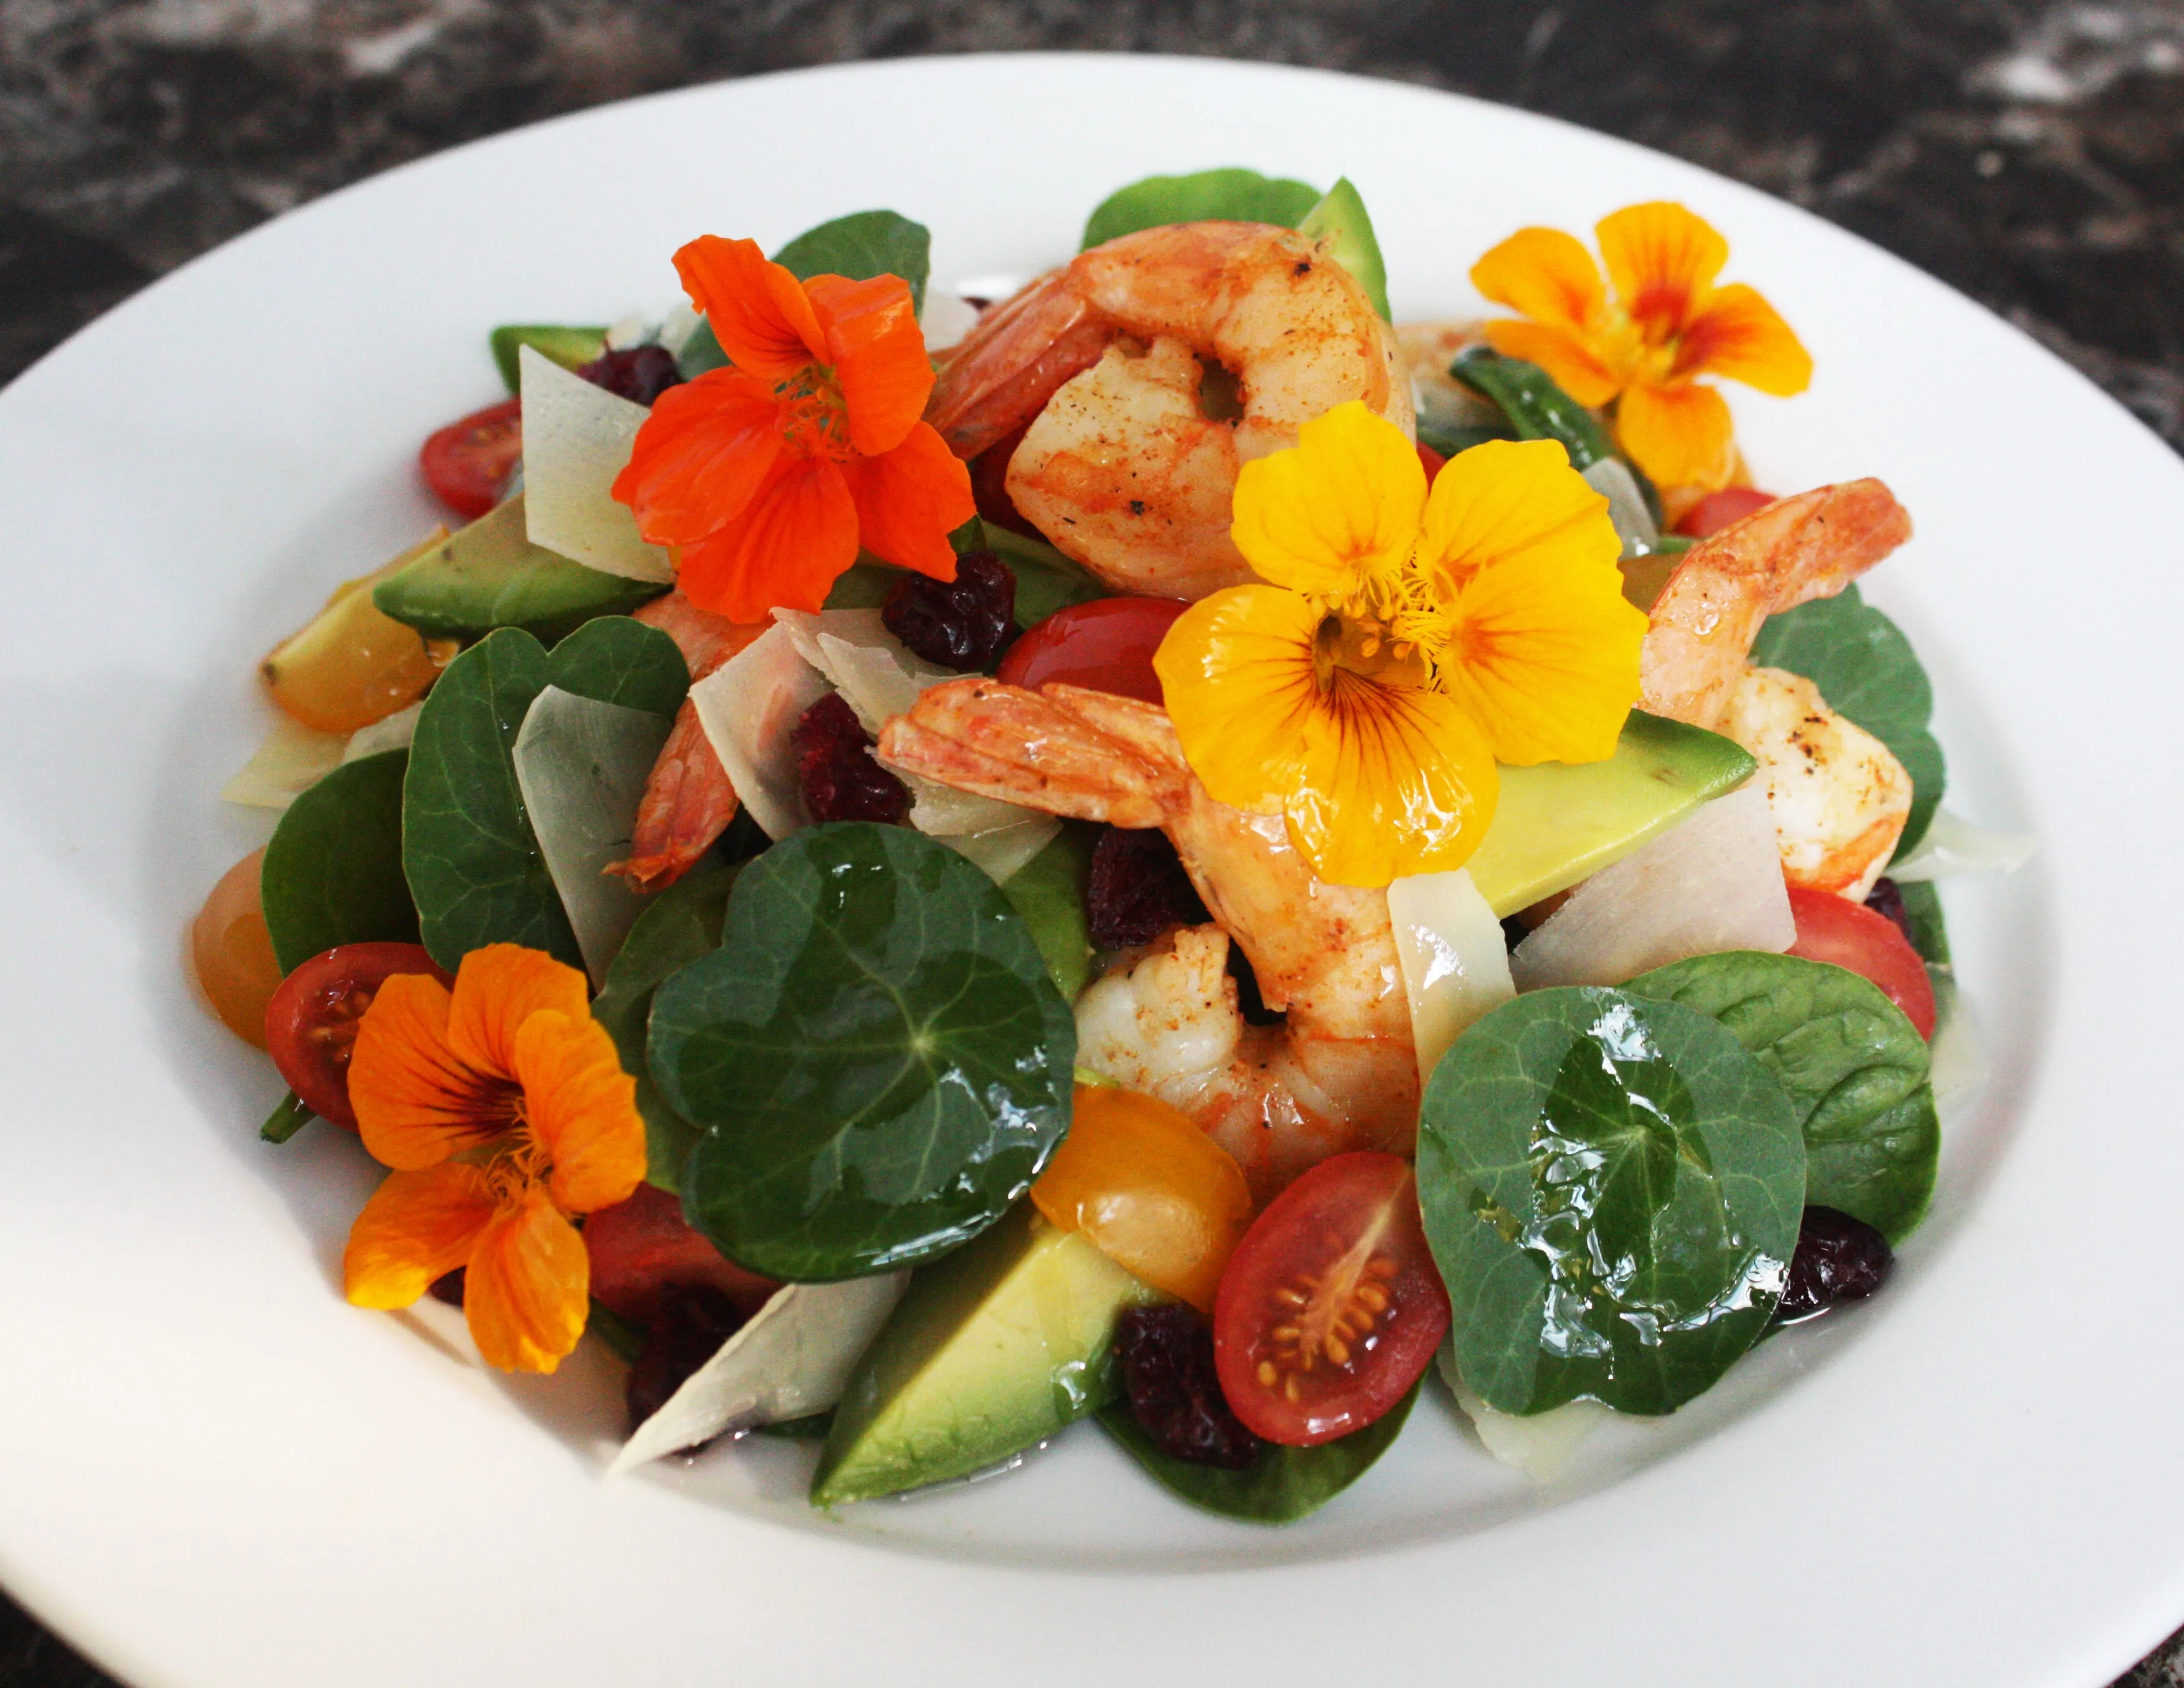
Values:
[(1796, 549), (688, 803), (1001, 741), (1016, 358)]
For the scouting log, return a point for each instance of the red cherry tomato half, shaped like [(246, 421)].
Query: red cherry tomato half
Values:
[(1331, 1305), (467, 463), (640, 1246), (1832, 928), (1107, 644), (1724, 508), (310, 1024), (1434, 461)]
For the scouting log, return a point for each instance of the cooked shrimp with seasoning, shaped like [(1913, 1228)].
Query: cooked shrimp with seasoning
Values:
[(1163, 732)]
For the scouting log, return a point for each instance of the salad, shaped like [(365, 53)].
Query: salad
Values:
[(1145, 844)]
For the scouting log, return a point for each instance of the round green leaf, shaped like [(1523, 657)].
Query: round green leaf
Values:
[(1612, 1187), (879, 1060), (333, 871), (1854, 1067)]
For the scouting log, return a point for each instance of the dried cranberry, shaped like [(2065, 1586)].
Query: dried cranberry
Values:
[(1165, 1354), (1137, 889), (640, 374), (834, 765), (1886, 899), (694, 1321), (964, 623), (1838, 1259), (449, 1289)]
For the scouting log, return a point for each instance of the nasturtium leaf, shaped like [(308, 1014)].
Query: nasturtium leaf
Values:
[(683, 923), (1241, 196), (333, 869), (1612, 1187), (861, 246), (473, 863), (876, 1054), (1286, 1483), (1867, 671), (1855, 1069)]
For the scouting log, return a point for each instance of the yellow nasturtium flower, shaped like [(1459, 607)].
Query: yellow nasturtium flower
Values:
[(1403, 644), (1643, 339)]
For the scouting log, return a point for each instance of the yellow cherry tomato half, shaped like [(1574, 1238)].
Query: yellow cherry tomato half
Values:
[(1148, 1189), (351, 665), (233, 953)]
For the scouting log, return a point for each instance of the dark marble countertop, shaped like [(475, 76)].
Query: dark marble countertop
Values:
[(2028, 151)]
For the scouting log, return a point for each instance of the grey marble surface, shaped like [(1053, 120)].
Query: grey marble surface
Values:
[(2028, 151)]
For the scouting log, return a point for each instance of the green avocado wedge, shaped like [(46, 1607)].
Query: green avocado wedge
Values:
[(993, 1350), (1286, 1484), (568, 347), (490, 576), (1341, 220), (1560, 822)]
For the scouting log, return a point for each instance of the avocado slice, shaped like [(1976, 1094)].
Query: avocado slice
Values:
[(994, 1349), (1559, 822), (567, 346), (1341, 218), (1049, 891), (490, 574)]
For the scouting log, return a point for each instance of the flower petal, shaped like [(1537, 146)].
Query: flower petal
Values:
[(1544, 653), (785, 549), (1576, 367), (1544, 274), (417, 1101), (701, 456), (497, 990), (910, 500), (1663, 260), (527, 1288), (419, 1226), (1396, 779), (1338, 508), (1503, 498), (1237, 670), (878, 353), (1741, 336), (581, 1107), (759, 311), (1681, 435)]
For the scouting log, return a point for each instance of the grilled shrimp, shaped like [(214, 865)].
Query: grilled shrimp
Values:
[(1338, 1072), (687, 799), (1838, 796), (1145, 371), (1792, 551)]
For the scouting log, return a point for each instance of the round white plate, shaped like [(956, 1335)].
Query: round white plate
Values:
[(213, 1472)]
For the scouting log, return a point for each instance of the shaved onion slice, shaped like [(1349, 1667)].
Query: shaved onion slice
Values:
[(947, 318), (1002, 853), (292, 760), (1455, 959), (1954, 846), (393, 733), (1626, 506), (1957, 1064), (748, 707), (577, 438), (1710, 884), (582, 766), (1540, 1444), (792, 1360)]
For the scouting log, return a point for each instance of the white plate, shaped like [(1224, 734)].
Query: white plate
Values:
[(215, 1473)]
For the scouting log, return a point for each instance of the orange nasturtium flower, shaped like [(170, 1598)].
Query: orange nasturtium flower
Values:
[(1645, 345), (1406, 643), (766, 478), (503, 1111)]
